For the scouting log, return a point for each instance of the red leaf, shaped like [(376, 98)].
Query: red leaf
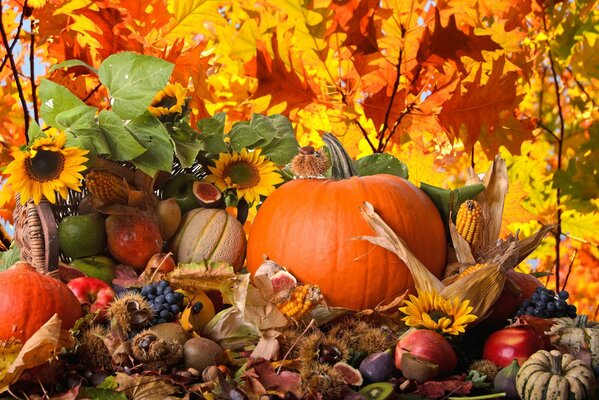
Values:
[(355, 18), (450, 43), (453, 385)]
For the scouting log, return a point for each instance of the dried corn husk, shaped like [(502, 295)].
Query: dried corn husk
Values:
[(482, 288)]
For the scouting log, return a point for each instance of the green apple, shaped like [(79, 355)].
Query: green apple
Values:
[(180, 187), (82, 235), (100, 267)]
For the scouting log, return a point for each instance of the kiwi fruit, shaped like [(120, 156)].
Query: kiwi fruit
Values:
[(171, 331), (200, 353), (378, 391)]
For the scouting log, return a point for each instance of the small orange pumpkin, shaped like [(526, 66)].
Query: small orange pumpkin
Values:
[(29, 299), (308, 226)]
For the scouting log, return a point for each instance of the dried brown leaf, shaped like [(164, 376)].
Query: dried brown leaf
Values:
[(203, 276), (144, 387), (282, 382), (38, 349), (528, 245), (492, 200), (268, 346), (461, 246)]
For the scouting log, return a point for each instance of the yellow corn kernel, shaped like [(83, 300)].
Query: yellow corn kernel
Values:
[(470, 270), (107, 187), (469, 222), (301, 301)]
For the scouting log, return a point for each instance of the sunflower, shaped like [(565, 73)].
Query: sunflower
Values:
[(45, 167), (433, 311), (169, 101), (249, 173)]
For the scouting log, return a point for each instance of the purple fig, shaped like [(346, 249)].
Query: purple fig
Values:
[(378, 367)]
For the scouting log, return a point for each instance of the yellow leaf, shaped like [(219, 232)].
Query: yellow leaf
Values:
[(243, 46), (193, 17)]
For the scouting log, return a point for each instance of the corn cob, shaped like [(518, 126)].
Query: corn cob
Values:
[(302, 300), (469, 222), (470, 270), (107, 187)]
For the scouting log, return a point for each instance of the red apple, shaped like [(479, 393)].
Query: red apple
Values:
[(94, 293), (512, 343), (429, 345)]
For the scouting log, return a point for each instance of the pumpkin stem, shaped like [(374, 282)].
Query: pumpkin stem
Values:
[(556, 362), (581, 321), (342, 164)]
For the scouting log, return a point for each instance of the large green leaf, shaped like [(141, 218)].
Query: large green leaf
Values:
[(34, 131), (243, 136), (284, 145), (187, 145), (150, 132), (72, 63), (133, 80), (76, 117), (55, 99), (123, 146), (375, 164), (212, 131), (92, 138)]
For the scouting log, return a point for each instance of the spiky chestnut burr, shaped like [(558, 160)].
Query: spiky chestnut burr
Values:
[(131, 311), (154, 352), (309, 163)]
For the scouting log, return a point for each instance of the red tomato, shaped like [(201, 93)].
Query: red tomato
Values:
[(514, 342)]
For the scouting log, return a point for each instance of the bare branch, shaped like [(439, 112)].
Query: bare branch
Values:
[(15, 71), (36, 115), (14, 41)]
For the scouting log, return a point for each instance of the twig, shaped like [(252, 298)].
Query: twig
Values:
[(381, 133), (582, 89), (90, 94), (569, 236), (569, 269), (546, 129), (560, 148), (405, 112), (15, 71), (14, 41), (36, 115), (366, 136), (294, 344)]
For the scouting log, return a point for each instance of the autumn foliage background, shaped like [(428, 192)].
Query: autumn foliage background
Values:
[(441, 85)]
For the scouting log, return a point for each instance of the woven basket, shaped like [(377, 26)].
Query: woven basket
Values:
[(36, 226)]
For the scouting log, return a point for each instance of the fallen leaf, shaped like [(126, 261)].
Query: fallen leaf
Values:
[(38, 349), (452, 385), (145, 387), (203, 276), (268, 346)]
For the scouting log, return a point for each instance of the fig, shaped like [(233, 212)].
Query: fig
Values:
[(378, 391), (283, 280), (348, 374), (200, 353), (168, 214), (418, 368), (505, 380), (377, 367), (208, 195), (133, 239)]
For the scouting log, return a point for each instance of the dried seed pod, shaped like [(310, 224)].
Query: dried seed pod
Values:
[(470, 222), (154, 352), (309, 163), (92, 349), (131, 311), (107, 187)]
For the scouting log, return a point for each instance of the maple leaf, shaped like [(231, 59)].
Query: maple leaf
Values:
[(450, 43), (355, 18), (480, 104), (145, 387), (282, 83)]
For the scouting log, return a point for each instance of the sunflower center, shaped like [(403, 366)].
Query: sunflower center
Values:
[(45, 166), (243, 175), (166, 102), (436, 315)]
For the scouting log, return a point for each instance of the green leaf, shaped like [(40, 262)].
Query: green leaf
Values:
[(187, 146), (92, 138), (34, 132), (133, 80), (101, 394), (122, 144), (265, 129), (284, 145), (150, 132), (9, 257), (243, 136), (76, 117), (375, 164), (212, 131), (55, 99), (72, 63)]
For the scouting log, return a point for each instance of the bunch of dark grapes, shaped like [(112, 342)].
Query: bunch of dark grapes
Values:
[(544, 303), (165, 302)]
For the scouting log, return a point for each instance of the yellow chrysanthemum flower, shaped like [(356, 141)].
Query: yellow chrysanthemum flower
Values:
[(46, 167), (169, 100), (249, 173), (433, 311)]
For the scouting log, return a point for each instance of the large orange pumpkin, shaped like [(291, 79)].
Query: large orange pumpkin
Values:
[(29, 299), (308, 226)]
